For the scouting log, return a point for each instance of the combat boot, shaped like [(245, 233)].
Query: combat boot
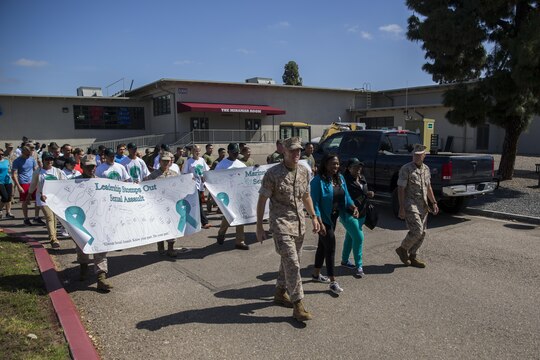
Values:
[(161, 247), (170, 250), (417, 262), (83, 275), (300, 313), (403, 256), (102, 283), (281, 298)]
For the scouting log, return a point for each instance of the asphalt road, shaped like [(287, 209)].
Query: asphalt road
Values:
[(477, 299)]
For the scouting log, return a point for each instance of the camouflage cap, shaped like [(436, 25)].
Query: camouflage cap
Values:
[(88, 160), (9, 145), (419, 149), (166, 155), (293, 143)]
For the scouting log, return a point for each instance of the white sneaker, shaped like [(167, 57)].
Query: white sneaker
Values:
[(321, 278), (359, 272), (64, 233), (335, 288)]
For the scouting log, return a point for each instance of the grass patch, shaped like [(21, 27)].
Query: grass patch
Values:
[(26, 307)]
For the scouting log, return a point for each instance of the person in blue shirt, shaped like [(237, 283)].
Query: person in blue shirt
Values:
[(23, 169), (6, 186), (331, 200), (120, 150)]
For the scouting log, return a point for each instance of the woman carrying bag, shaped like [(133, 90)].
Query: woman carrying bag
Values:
[(354, 238), (331, 200)]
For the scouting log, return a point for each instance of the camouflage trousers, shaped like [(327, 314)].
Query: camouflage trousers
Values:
[(289, 278), (240, 235), (416, 223), (100, 260)]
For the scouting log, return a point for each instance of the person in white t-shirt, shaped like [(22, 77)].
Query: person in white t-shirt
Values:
[(47, 172), (134, 165), (231, 162), (69, 169), (196, 165), (111, 170)]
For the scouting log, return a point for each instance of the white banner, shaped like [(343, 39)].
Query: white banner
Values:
[(104, 215), (236, 192)]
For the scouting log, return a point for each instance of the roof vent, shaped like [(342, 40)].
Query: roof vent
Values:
[(261, 80), (89, 91)]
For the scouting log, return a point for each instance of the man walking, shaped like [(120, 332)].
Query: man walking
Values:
[(110, 169), (287, 187), (89, 164), (276, 156), (414, 192), (231, 162), (208, 154), (23, 169), (134, 165), (164, 171)]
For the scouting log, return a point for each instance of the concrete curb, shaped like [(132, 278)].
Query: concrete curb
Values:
[(503, 216), (80, 345)]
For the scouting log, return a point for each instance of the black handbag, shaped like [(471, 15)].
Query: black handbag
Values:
[(372, 217)]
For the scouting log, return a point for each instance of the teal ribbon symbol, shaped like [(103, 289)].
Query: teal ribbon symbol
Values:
[(76, 217), (183, 208), (223, 197)]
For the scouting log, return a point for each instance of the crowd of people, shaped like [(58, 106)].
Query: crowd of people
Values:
[(326, 197)]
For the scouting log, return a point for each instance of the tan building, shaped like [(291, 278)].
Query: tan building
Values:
[(220, 112)]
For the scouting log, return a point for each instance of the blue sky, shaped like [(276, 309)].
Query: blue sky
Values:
[(52, 47)]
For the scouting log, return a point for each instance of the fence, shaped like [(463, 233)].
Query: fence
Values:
[(218, 136), (221, 136)]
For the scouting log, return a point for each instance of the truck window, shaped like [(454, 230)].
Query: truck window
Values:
[(385, 146), (332, 145), (403, 143), (358, 146)]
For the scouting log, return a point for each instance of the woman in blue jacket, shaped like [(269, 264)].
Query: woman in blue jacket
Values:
[(354, 238), (331, 200)]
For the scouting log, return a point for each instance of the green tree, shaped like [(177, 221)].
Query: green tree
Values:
[(490, 50), (291, 76)]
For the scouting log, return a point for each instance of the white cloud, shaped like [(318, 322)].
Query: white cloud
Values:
[(183, 62), (352, 28), (30, 63), (280, 25), (245, 51), (393, 29), (366, 35)]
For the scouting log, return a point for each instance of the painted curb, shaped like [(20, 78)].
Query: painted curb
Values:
[(503, 216), (80, 345)]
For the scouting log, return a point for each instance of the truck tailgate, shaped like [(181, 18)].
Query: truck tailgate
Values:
[(470, 169)]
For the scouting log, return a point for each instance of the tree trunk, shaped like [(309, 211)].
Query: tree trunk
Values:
[(509, 151)]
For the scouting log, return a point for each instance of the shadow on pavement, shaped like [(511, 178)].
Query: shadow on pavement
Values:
[(520, 226), (381, 269), (227, 314), (388, 221)]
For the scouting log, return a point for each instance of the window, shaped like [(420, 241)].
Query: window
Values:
[(482, 137), (108, 117), (162, 105), (402, 143), (383, 122), (199, 123), (332, 144), (253, 124)]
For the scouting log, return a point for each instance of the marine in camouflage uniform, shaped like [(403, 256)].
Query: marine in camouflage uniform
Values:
[(288, 191), (276, 156), (415, 194), (163, 172)]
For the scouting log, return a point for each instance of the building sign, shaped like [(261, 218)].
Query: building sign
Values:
[(182, 91), (247, 111)]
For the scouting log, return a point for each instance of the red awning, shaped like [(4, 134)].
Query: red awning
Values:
[(229, 108)]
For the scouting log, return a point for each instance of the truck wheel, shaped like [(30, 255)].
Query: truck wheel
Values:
[(395, 203), (453, 205)]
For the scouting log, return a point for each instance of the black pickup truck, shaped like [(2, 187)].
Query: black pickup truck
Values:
[(454, 177)]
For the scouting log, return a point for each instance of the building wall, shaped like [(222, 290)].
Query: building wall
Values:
[(42, 119)]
